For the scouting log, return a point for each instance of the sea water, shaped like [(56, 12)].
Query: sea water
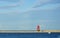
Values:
[(29, 35)]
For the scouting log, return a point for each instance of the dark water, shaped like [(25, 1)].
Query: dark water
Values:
[(29, 35)]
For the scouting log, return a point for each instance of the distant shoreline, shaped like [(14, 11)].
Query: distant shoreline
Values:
[(27, 31)]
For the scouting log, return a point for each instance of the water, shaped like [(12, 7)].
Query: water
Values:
[(29, 35)]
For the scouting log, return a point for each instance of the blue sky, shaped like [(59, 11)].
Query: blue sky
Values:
[(27, 14)]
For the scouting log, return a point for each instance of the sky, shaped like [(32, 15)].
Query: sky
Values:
[(27, 14)]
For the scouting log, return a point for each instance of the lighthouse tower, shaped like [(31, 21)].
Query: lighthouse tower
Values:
[(38, 28)]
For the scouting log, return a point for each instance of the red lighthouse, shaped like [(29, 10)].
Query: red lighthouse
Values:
[(38, 28)]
